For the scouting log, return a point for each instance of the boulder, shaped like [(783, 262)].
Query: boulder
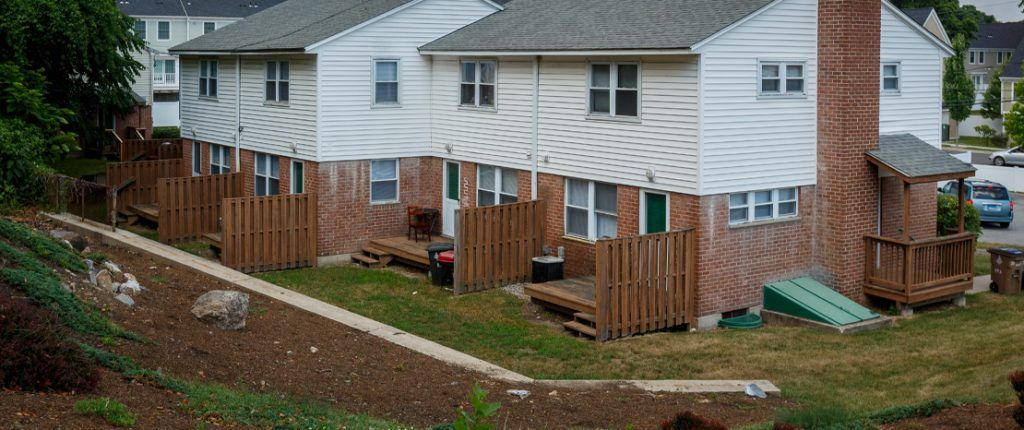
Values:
[(130, 285), (113, 268), (74, 239), (223, 309), (105, 280), (126, 299)]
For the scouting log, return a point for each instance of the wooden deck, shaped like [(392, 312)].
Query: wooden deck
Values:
[(404, 250), (146, 211), (574, 297)]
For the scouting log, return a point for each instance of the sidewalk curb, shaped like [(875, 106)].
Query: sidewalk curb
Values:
[(383, 331)]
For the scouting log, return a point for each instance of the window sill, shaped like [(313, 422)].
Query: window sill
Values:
[(578, 239), (782, 96), (208, 98), (270, 103), (471, 108), (386, 106), (785, 220), (890, 93), (385, 203), (619, 119)]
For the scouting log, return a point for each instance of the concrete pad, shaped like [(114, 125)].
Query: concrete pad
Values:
[(772, 318), (175, 256), (981, 284)]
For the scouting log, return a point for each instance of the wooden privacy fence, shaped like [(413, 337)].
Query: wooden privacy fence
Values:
[(135, 182), (191, 206), (269, 233), (151, 149), (645, 283), (494, 245)]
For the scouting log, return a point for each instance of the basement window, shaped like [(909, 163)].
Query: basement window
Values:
[(496, 185), (268, 178), (762, 205), (591, 209), (220, 159), (383, 181), (780, 78)]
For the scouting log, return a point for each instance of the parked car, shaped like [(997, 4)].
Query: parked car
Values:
[(1012, 156), (992, 200)]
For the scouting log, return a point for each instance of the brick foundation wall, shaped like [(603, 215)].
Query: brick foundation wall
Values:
[(845, 207)]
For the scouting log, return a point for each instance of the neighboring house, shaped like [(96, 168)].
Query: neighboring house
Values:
[(626, 117), (995, 44), (165, 23), (929, 19)]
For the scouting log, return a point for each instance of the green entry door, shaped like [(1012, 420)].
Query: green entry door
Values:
[(655, 213)]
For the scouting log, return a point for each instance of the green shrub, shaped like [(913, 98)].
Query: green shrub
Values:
[(34, 353), (479, 417), (691, 421), (823, 417), (166, 133), (947, 218), (114, 412), (41, 245)]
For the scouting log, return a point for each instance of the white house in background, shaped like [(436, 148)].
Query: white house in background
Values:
[(165, 23), (626, 117)]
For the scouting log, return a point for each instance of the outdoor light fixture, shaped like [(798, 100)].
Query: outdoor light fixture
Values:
[(449, 147), (650, 173)]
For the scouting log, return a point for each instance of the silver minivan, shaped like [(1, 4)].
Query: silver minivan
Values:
[(1012, 156)]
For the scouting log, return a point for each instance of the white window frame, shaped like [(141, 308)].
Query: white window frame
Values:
[(397, 82), (224, 156), (257, 177), (197, 158), (975, 56), (213, 23), (277, 82), (643, 209), (208, 71), (782, 78), (477, 83), (591, 209), (397, 179), (293, 184), (169, 30), (898, 77), (499, 174), (613, 88), (979, 84), (160, 74), (750, 206), (145, 28)]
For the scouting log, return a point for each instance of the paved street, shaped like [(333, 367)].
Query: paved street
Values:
[(1014, 234), (976, 157)]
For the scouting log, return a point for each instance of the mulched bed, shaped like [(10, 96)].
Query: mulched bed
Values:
[(987, 417), (349, 369)]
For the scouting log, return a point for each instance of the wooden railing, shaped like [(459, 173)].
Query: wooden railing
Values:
[(645, 283), (160, 149), (269, 233), (191, 206), (136, 181), (919, 270), (495, 245)]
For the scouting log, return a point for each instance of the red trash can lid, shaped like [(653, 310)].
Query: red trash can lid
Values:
[(446, 257)]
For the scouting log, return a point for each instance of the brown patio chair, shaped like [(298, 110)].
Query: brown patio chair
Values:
[(420, 222)]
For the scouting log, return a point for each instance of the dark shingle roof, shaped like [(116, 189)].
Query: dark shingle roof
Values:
[(999, 35), (1013, 67), (919, 15), (290, 26), (197, 8), (914, 158), (558, 25)]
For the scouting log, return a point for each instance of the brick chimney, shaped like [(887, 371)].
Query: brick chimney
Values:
[(846, 194)]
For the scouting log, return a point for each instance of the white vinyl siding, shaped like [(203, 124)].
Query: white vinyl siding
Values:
[(383, 181), (751, 141), (351, 128), (281, 128), (918, 109), (211, 119), (591, 209)]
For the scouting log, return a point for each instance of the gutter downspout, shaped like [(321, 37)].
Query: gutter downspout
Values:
[(238, 113), (188, 20), (536, 126)]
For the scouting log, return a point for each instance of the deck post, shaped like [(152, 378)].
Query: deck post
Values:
[(458, 279), (960, 205), (906, 210)]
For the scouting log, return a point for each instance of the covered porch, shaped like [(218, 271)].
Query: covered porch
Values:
[(907, 270)]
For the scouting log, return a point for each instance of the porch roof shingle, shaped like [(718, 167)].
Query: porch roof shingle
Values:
[(912, 158)]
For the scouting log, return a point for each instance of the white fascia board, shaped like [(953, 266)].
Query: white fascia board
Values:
[(589, 53), (233, 53)]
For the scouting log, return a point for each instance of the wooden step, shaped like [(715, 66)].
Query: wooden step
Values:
[(580, 328), (584, 317), (383, 256), (367, 261)]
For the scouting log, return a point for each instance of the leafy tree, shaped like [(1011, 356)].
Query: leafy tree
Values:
[(992, 103), (1013, 121), (82, 48), (957, 88), (956, 18)]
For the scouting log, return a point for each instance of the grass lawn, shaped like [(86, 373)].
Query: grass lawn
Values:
[(959, 353), (978, 141), (982, 260), (79, 167)]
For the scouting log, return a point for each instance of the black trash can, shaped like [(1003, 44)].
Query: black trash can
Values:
[(432, 251), (548, 268), (444, 274)]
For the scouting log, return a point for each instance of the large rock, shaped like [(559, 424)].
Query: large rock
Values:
[(105, 280), (76, 240), (224, 309)]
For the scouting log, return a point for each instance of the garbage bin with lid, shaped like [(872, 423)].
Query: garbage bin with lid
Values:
[(1007, 268), (445, 268), (432, 251), (547, 268)]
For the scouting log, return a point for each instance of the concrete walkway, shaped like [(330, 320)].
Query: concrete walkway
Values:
[(172, 255)]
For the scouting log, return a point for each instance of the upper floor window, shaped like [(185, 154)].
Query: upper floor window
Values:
[(140, 29), (762, 205), (208, 27), (591, 209), (208, 78), (220, 159), (891, 77), (277, 81), (268, 181), (383, 181), (385, 82), (164, 72), (614, 89), (780, 78), (478, 81), (163, 30), (495, 185), (975, 57)]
